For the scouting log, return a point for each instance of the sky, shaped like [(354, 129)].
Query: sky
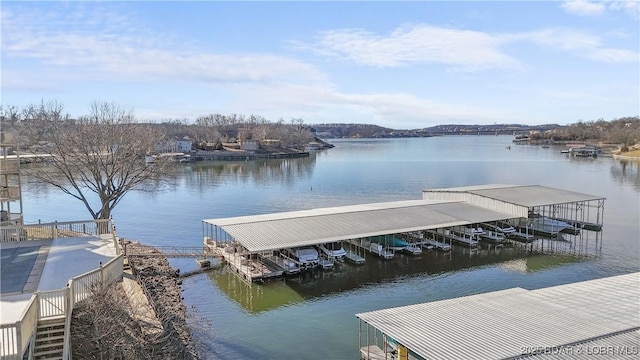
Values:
[(403, 65)]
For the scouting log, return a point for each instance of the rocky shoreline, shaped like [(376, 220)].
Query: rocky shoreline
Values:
[(161, 283), (142, 317)]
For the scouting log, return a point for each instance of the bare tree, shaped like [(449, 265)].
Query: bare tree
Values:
[(97, 157)]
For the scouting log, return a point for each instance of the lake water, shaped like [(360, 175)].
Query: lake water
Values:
[(312, 317)]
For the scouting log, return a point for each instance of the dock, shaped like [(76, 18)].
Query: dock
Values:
[(378, 250), (492, 237), (521, 236), (601, 314), (428, 222), (325, 264), (354, 258), (248, 268), (461, 239), (439, 245)]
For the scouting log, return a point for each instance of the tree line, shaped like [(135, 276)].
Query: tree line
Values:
[(624, 131), (96, 158)]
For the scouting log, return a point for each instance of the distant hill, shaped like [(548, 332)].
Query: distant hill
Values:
[(374, 131)]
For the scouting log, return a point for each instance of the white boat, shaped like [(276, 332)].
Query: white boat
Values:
[(500, 227), (461, 238), (290, 267), (333, 250), (538, 224), (412, 249), (380, 251), (469, 230), (305, 257)]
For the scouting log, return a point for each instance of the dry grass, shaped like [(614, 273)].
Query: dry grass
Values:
[(632, 153)]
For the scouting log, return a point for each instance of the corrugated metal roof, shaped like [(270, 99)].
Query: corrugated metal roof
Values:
[(525, 195), (298, 228), (506, 323)]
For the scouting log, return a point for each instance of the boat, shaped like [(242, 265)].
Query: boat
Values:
[(468, 230), (541, 225), (390, 242), (333, 250), (461, 238), (290, 267), (584, 151), (412, 249), (499, 226), (380, 251), (305, 257)]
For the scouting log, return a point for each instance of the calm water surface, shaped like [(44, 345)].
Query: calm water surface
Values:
[(312, 317)]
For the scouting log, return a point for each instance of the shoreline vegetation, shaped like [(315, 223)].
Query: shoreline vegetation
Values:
[(108, 325)]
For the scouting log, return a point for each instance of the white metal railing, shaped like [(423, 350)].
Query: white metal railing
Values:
[(49, 231), (48, 304), (54, 230)]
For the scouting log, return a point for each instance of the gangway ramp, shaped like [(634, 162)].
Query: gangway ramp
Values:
[(171, 251)]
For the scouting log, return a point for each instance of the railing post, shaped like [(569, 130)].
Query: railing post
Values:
[(19, 348), (101, 274)]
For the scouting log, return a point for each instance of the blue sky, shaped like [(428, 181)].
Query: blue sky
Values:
[(402, 65)]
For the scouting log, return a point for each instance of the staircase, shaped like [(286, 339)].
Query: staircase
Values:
[(49, 339)]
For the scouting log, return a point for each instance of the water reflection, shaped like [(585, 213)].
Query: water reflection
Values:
[(205, 174), (625, 172), (254, 298), (273, 294)]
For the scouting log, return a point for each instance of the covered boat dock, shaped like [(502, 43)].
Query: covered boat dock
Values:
[(595, 318), (248, 242)]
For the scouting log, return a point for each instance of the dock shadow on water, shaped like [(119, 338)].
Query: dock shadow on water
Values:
[(313, 284)]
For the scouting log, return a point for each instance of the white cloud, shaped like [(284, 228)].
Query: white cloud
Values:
[(318, 104), (631, 7), (463, 49), (592, 8), (583, 7), (576, 42), (117, 47), (460, 50)]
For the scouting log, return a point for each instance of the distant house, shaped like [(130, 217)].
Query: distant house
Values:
[(174, 146), (249, 145)]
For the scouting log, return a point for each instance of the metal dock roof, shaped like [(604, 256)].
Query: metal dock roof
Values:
[(307, 227), (508, 323), (523, 195), (439, 208)]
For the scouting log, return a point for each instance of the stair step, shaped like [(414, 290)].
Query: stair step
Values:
[(49, 338), (50, 325), (53, 319), (38, 353), (49, 357), (58, 344), (49, 331)]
